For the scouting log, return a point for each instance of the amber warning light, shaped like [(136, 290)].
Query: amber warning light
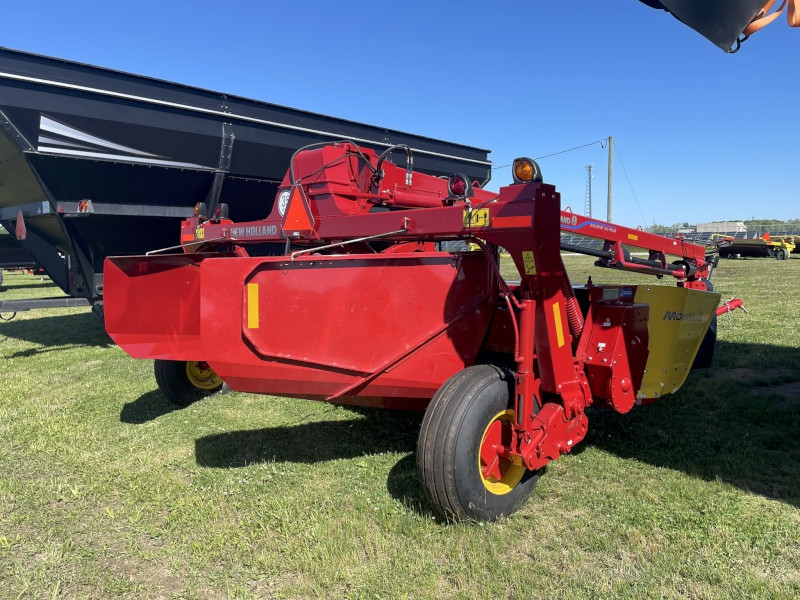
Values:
[(200, 210), (526, 170)]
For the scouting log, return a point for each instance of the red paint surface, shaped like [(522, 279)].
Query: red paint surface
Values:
[(386, 321)]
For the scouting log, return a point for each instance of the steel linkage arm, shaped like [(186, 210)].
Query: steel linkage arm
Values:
[(551, 392), (691, 264)]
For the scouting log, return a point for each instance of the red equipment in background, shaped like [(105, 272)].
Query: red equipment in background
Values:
[(366, 307)]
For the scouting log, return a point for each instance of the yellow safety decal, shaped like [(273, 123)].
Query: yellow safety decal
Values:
[(476, 218), (252, 306), (559, 326), (529, 262), (633, 237), (199, 233)]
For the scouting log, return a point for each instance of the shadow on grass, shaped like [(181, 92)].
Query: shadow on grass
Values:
[(731, 423), (403, 485), (738, 422), (56, 332), (377, 431), (147, 407)]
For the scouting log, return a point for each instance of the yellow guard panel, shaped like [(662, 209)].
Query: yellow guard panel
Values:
[(679, 319)]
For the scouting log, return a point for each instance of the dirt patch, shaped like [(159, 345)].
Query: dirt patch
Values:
[(140, 572)]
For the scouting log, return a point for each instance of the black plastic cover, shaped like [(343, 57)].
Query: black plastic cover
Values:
[(720, 21)]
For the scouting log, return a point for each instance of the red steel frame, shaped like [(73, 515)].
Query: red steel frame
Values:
[(335, 202)]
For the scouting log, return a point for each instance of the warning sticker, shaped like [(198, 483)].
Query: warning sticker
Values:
[(530, 264), (610, 293), (199, 233), (476, 218)]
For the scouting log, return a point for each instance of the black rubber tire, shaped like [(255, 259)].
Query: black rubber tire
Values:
[(448, 447), (99, 315), (783, 254), (173, 381)]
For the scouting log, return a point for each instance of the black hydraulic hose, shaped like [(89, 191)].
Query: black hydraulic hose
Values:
[(610, 256), (647, 263), (409, 163), (656, 264), (587, 251), (713, 261), (292, 179)]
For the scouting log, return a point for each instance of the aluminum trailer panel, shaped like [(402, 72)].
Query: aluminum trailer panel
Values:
[(103, 163)]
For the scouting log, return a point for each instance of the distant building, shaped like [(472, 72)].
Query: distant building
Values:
[(721, 226), (686, 230)]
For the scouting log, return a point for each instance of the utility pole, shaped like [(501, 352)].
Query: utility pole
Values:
[(610, 173), (587, 205)]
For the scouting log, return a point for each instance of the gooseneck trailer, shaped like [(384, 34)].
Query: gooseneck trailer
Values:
[(365, 305), (97, 163)]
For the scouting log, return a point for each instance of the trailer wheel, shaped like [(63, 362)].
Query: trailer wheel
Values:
[(782, 254), (186, 382), (469, 414), (99, 315)]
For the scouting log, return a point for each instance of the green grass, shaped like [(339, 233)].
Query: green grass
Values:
[(107, 491)]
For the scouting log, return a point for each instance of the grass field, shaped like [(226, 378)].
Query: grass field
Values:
[(107, 491)]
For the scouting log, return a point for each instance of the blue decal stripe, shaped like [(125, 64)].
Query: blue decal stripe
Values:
[(565, 226)]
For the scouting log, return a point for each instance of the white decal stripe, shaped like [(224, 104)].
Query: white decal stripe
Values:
[(208, 111), (47, 140), (122, 158), (52, 126)]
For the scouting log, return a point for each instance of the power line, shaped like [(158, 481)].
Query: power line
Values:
[(644, 223), (601, 142), (602, 145)]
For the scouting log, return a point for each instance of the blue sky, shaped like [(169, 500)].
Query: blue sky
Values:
[(703, 135)]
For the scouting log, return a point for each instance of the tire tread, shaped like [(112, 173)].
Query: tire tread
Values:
[(438, 440), (174, 384)]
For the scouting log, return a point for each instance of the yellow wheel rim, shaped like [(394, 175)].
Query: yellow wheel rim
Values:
[(498, 474), (201, 375)]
